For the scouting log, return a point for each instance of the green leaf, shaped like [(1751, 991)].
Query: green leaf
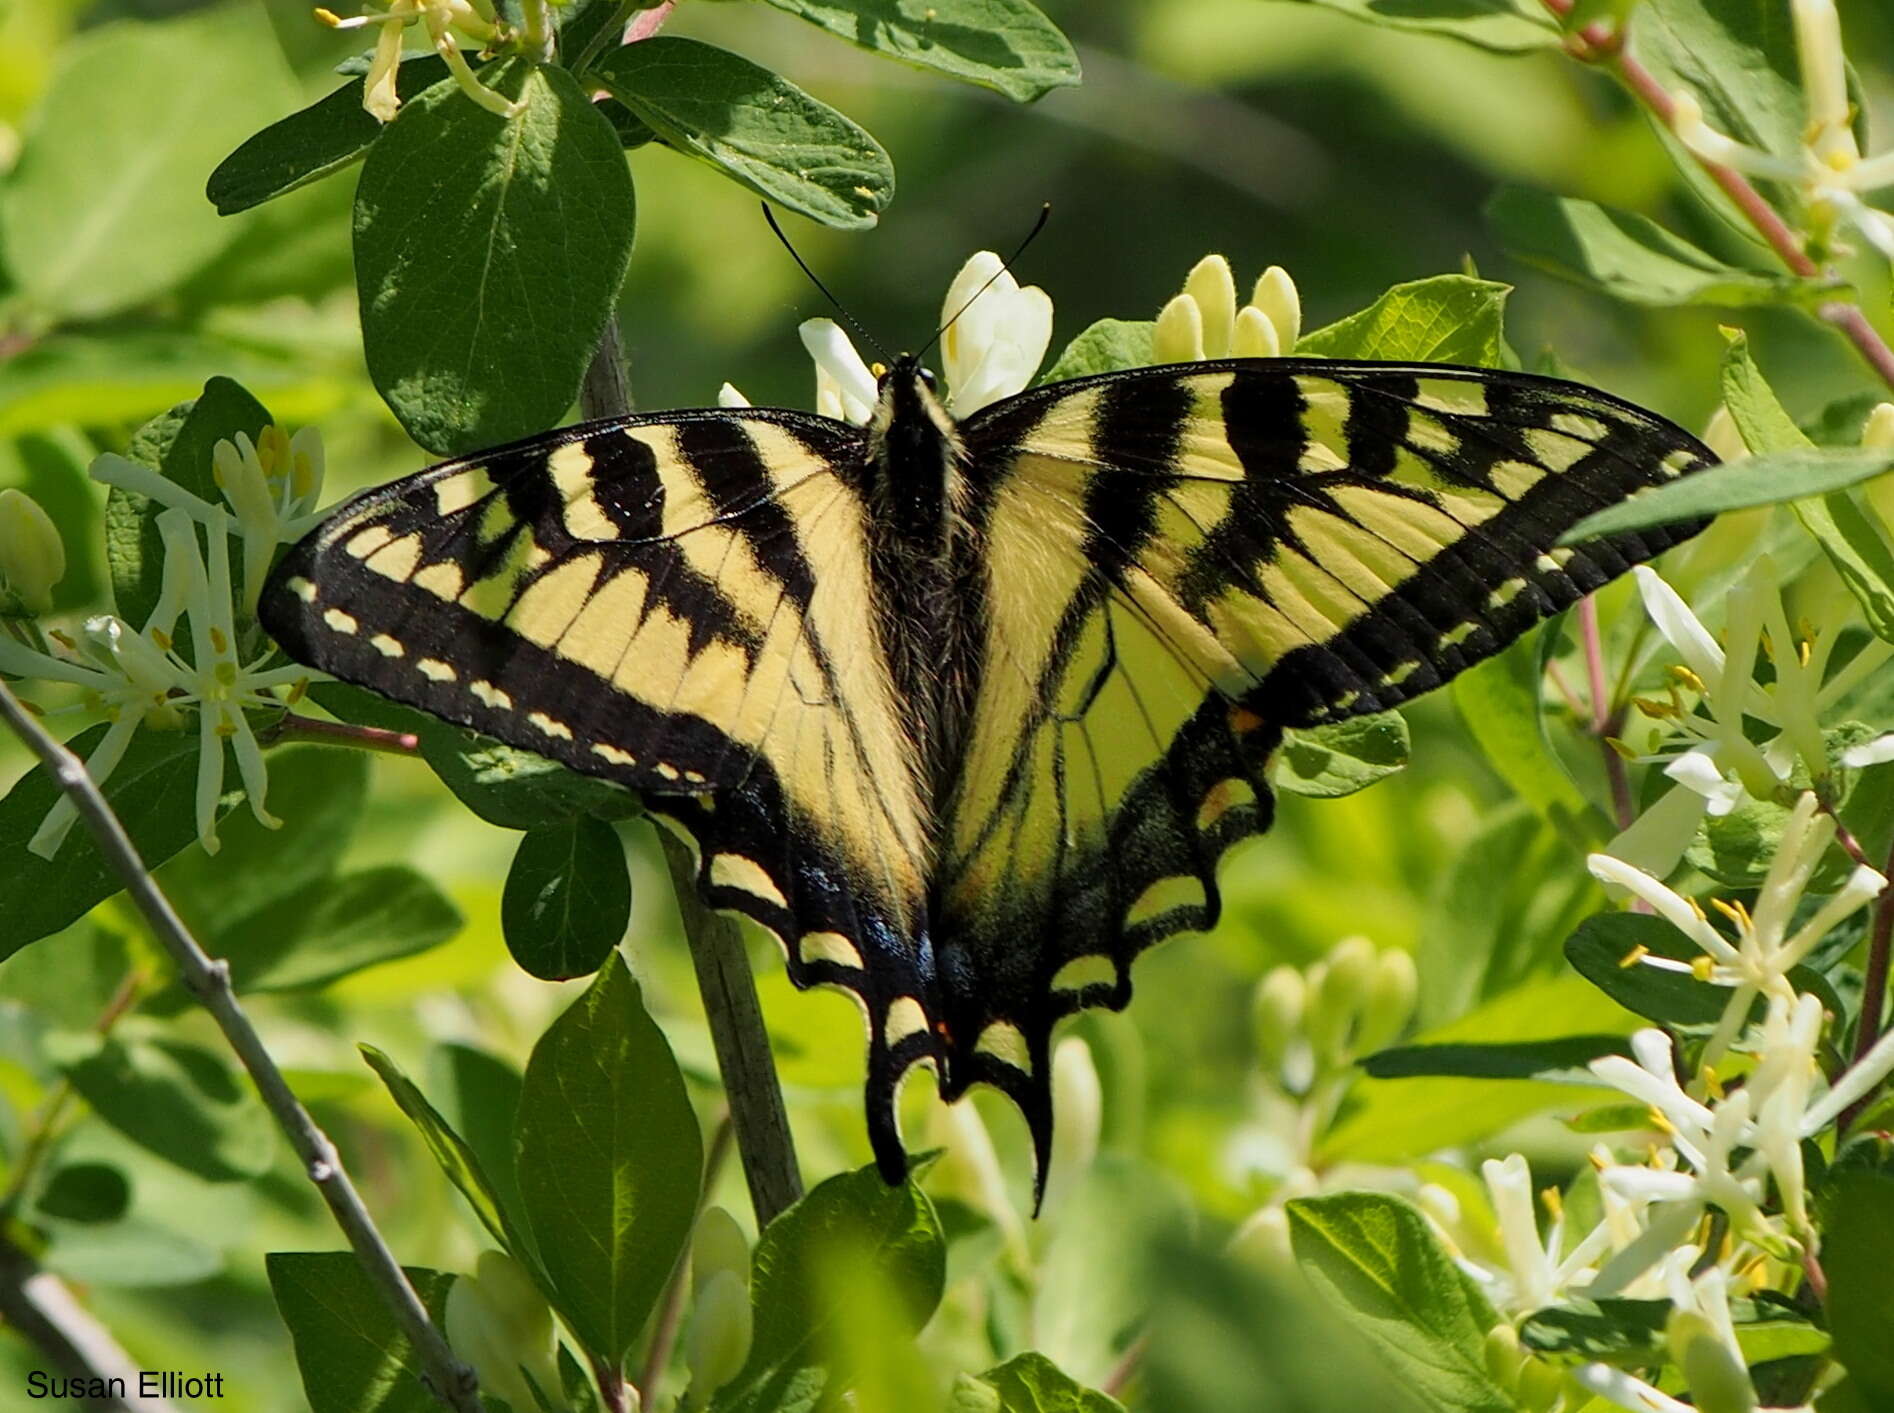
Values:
[(510, 788), (1599, 952), (478, 1097), (1560, 1061), (610, 1161), (332, 927), (851, 1225), (1446, 319), (1858, 1259), (1326, 762), (178, 445), (1376, 1258), (1738, 58), (102, 209), (351, 1353), (1621, 1331), (1105, 347), (1028, 1383), (321, 793), (69, 983), (180, 1101), (1627, 256), (325, 137), (567, 900), (85, 1192), (1853, 543), (1505, 26), (1770, 479), (1499, 700), (754, 126), (484, 283), (1397, 1121), (1007, 45), (150, 791), (459, 1162)]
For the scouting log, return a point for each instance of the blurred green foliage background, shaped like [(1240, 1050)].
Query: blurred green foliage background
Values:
[(1276, 133)]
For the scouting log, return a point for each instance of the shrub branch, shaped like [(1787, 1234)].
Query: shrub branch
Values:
[(207, 978)]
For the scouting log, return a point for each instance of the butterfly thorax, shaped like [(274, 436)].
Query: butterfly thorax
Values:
[(924, 563)]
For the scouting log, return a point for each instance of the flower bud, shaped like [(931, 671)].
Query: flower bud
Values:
[(1281, 303), (1392, 987), (718, 1244), (1213, 287), (32, 556), (1722, 436), (1263, 1240), (718, 1340), (499, 1322), (1878, 435), (1541, 1387), (1276, 1013), (1078, 1100), (1178, 337), (1255, 336), (1504, 1358), (1719, 1383), (1336, 998)]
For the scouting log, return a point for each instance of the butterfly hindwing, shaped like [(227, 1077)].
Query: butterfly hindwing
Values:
[(1184, 561)]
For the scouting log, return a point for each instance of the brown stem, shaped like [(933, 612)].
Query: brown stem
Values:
[(611, 1386), (1126, 1368), (1873, 986), (1816, 1276), (1603, 48), (208, 979), (341, 733)]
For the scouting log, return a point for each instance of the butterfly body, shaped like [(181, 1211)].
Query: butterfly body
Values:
[(965, 713)]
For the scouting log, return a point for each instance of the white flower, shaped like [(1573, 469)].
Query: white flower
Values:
[(995, 334), (994, 337), (272, 487), (441, 18), (497, 1321), (1759, 961), (1721, 764), (139, 678), (1829, 171), (1204, 322)]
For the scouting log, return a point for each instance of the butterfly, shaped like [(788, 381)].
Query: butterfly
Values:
[(965, 713)]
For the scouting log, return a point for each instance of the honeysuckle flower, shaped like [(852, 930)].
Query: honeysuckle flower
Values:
[(136, 678), (1758, 962), (1829, 172), (32, 556), (497, 1321), (1701, 1336), (271, 487), (1204, 322), (441, 19), (995, 334), (1720, 763)]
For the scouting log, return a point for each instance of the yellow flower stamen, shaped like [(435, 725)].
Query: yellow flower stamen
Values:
[(1634, 956)]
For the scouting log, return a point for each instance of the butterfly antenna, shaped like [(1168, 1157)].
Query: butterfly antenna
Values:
[(1045, 214), (847, 318)]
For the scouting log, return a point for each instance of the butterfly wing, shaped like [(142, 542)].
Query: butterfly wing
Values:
[(680, 604), (1183, 561)]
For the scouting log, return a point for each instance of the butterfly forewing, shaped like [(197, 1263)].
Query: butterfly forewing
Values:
[(678, 604)]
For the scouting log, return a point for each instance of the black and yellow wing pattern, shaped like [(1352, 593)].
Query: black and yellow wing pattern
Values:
[(1155, 573)]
